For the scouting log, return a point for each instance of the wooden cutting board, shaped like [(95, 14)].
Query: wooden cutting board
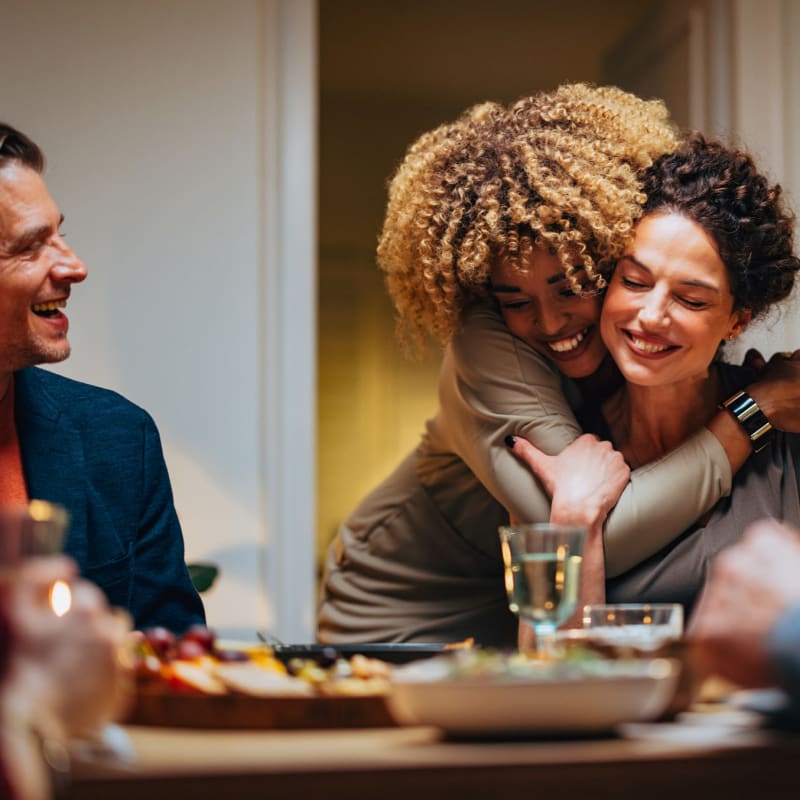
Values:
[(172, 709)]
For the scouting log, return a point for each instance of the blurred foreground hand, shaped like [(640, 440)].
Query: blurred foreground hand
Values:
[(750, 587), (65, 675)]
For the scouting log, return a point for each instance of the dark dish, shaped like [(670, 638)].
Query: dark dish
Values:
[(392, 652)]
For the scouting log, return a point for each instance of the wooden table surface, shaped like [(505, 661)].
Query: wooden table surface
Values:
[(706, 755)]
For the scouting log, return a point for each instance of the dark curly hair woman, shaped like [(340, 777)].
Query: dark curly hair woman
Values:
[(712, 251)]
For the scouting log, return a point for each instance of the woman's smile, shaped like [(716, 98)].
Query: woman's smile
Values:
[(669, 303), (539, 307), (649, 345)]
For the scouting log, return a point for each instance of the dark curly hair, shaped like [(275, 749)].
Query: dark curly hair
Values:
[(720, 189)]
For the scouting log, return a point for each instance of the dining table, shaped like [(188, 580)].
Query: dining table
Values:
[(706, 752)]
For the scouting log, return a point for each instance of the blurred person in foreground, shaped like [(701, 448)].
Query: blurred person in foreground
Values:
[(746, 627), (61, 678), (87, 448)]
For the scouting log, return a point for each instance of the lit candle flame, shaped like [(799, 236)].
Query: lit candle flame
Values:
[(60, 598)]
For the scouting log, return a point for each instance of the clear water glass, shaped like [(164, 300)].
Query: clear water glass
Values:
[(33, 529), (643, 626), (542, 567), (36, 528)]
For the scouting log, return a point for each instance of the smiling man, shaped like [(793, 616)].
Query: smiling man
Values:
[(87, 448)]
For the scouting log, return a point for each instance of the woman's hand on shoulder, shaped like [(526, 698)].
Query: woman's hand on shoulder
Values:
[(777, 389), (584, 480)]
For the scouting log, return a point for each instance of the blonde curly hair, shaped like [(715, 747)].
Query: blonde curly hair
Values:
[(559, 170)]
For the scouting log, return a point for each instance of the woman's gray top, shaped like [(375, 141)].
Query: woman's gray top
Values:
[(766, 486)]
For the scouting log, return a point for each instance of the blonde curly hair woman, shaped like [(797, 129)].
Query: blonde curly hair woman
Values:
[(558, 169), (500, 231)]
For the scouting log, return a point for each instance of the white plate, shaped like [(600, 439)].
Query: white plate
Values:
[(591, 698)]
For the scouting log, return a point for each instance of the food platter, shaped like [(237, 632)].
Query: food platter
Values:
[(199, 681), (589, 698)]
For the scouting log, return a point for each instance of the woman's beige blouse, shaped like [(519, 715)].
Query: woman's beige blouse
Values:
[(419, 559)]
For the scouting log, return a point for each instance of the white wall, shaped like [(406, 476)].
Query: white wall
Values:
[(765, 116), (167, 127)]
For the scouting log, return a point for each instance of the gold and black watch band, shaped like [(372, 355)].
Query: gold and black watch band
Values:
[(751, 418)]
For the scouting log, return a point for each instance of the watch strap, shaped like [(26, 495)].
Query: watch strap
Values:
[(751, 418)]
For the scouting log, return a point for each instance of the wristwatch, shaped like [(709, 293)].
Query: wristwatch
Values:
[(751, 418)]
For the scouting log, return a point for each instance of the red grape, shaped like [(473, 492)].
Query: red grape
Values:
[(189, 649), (162, 640), (201, 634)]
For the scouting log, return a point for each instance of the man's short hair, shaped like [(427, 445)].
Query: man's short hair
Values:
[(16, 146)]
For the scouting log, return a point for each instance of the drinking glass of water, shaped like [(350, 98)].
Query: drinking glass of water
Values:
[(642, 626), (30, 529), (542, 566)]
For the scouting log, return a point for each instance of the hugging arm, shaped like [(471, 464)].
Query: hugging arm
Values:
[(590, 475), (666, 484), (492, 386)]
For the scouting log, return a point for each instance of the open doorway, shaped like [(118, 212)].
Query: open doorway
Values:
[(387, 73)]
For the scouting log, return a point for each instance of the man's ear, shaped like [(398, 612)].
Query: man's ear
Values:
[(739, 321)]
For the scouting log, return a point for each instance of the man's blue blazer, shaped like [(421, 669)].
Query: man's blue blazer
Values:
[(100, 456)]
